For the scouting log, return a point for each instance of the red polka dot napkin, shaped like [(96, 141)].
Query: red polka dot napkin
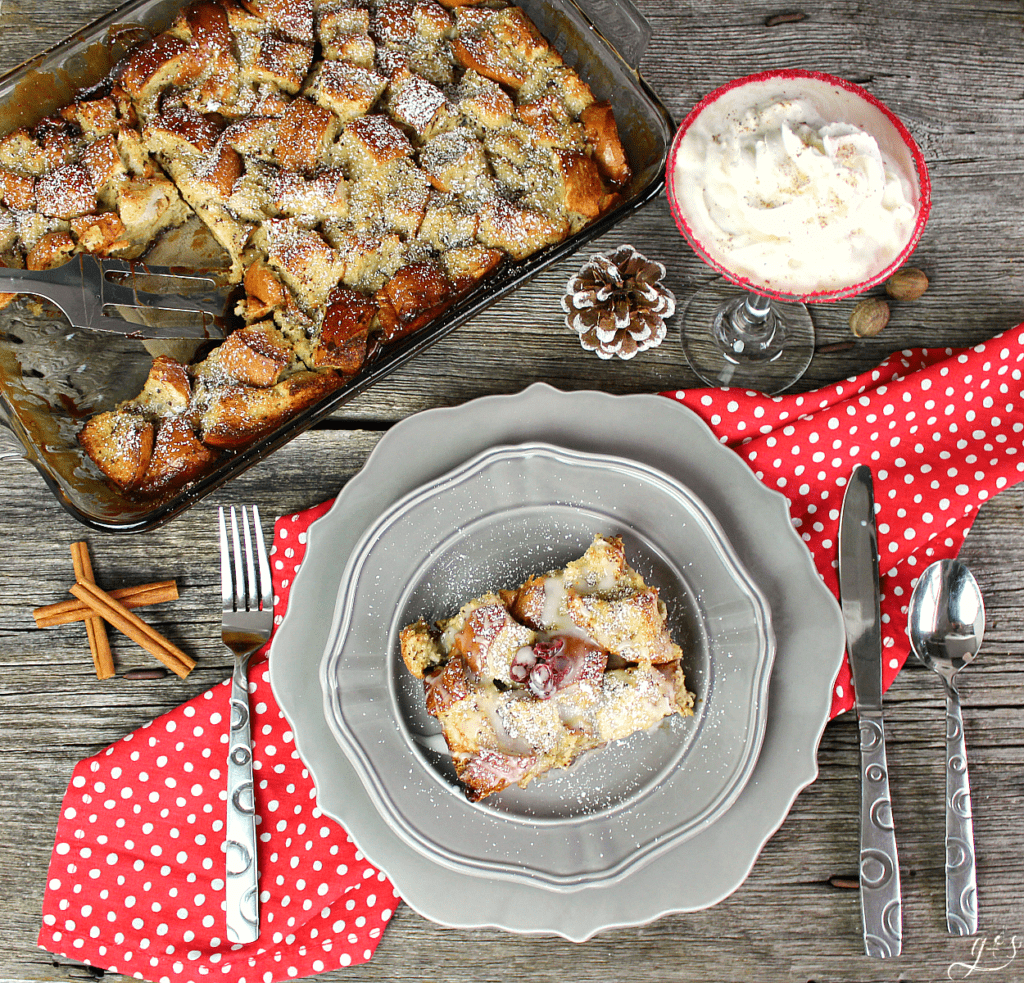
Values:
[(942, 433), (136, 880)]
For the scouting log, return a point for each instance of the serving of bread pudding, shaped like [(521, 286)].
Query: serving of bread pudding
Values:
[(363, 166), (526, 680)]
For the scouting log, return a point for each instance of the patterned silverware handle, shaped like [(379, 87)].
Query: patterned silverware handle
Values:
[(241, 890), (961, 880), (879, 865)]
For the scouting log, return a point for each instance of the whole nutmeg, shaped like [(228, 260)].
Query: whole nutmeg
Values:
[(906, 284), (869, 317)]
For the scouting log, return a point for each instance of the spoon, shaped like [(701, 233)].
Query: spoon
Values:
[(946, 624)]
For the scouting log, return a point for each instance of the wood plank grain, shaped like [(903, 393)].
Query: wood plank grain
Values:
[(952, 71)]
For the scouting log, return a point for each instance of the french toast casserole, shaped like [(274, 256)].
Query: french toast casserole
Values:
[(363, 166), (526, 680)]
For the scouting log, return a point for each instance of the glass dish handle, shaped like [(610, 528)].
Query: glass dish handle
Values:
[(622, 26)]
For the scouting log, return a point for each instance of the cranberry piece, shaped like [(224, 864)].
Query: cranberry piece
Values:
[(522, 662), (519, 672), (561, 667), (555, 664), (542, 681), (550, 648)]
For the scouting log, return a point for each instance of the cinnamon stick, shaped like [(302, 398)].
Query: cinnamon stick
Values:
[(135, 628), (99, 644), (140, 596)]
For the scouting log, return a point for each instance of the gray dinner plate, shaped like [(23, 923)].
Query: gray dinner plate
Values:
[(487, 525), (703, 868)]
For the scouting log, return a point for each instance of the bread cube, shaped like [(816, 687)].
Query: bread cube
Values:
[(164, 61), (65, 192), (240, 414), (94, 117), (293, 18), (52, 250), (393, 20), (319, 196), (22, 154), (121, 444), (309, 267), (455, 162), (305, 131), (178, 457), (282, 63), (102, 235), (342, 341), (344, 33), (348, 90), (264, 291), (467, 265), (18, 191), (579, 180), (146, 208), (603, 135), (485, 102), (103, 161), (420, 105), (371, 141), (254, 355), (167, 390), (447, 223), (413, 296), (518, 231)]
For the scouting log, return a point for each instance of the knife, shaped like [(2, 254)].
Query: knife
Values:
[(858, 591)]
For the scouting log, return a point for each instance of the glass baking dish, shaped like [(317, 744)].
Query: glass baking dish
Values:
[(53, 377)]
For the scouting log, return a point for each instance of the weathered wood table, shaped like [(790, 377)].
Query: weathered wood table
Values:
[(952, 70)]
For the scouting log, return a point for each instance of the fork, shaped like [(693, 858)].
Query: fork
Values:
[(248, 617), (104, 295)]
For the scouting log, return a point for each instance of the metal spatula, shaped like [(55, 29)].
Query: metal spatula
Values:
[(103, 295)]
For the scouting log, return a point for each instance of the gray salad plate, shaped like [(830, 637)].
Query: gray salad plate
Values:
[(700, 869), (487, 525)]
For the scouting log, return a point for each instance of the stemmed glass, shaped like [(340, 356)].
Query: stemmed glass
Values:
[(762, 337)]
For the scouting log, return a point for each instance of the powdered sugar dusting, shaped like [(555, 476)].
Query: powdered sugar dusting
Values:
[(550, 721), (416, 102)]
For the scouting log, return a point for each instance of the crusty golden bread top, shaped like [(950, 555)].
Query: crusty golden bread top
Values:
[(400, 149)]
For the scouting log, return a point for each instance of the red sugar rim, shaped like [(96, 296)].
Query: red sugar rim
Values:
[(920, 167)]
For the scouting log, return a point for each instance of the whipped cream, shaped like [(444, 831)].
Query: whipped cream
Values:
[(791, 198)]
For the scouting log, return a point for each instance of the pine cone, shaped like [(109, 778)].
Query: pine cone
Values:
[(617, 305)]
